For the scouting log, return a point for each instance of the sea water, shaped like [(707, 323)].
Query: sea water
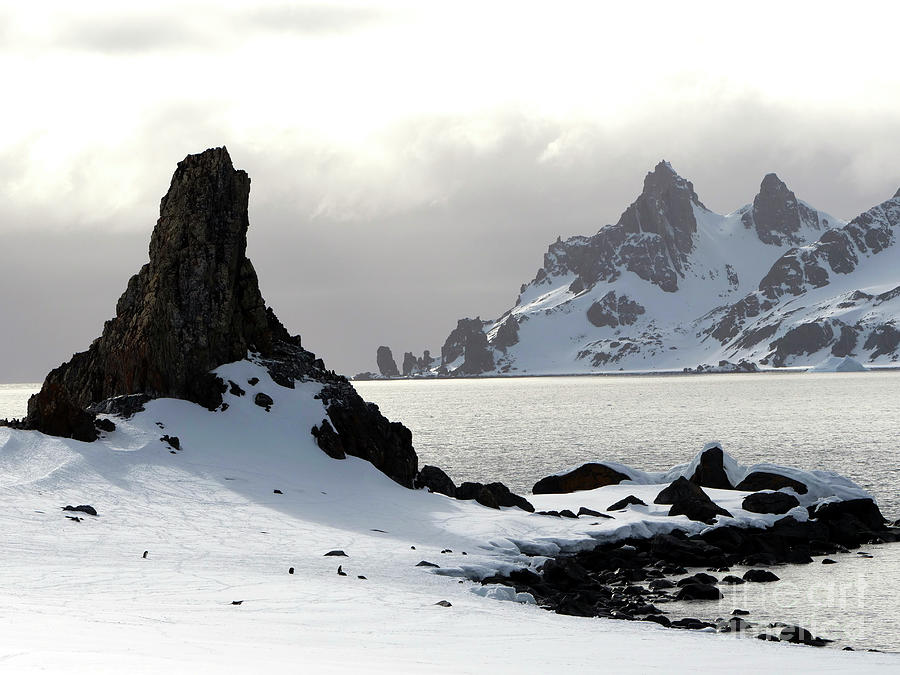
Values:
[(518, 430)]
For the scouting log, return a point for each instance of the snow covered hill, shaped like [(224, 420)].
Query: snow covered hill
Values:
[(673, 285), (248, 495)]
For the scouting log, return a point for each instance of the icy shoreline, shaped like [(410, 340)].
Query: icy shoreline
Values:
[(84, 599)]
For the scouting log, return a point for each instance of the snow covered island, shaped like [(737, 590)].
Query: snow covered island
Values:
[(197, 491)]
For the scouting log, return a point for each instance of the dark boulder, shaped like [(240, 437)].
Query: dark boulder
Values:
[(585, 511), (699, 592), (263, 400), (81, 508), (386, 364), (434, 479), (622, 504), (794, 635), (688, 499), (492, 495), (692, 624), (698, 578), (105, 424), (770, 502), (760, 576), (710, 472), (732, 580), (735, 624), (765, 480), (52, 411), (863, 511), (586, 477)]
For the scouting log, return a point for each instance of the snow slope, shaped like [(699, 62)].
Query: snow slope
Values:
[(79, 596)]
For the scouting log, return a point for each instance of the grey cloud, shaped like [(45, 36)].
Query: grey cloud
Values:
[(451, 228), (315, 20), (130, 33)]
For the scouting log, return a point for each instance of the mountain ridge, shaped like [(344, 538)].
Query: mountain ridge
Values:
[(673, 285)]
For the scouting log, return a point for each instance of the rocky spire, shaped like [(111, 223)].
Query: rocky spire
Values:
[(194, 306), (665, 207), (777, 215), (387, 366)]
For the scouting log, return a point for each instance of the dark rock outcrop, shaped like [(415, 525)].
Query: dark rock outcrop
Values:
[(410, 364), (435, 479), (807, 338), (764, 480), (585, 477), (507, 334), (710, 472), (688, 499), (358, 428), (778, 216), (194, 306), (622, 504), (468, 340), (613, 311), (386, 364), (699, 592), (770, 502), (492, 495)]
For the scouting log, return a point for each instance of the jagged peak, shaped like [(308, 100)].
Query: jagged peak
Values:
[(897, 194), (771, 182)]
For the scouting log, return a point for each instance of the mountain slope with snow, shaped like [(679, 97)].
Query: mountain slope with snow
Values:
[(673, 285)]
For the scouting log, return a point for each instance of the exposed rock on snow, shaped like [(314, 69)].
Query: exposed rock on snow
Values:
[(493, 495), (710, 471), (687, 499), (767, 480), (630, 500), (770, 502), (585, 477), (434, 479)]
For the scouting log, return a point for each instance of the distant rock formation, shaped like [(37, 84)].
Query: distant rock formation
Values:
[(672, 284), (778, 216), (194, 306), (410, 364), (386, 364), (469, 343)]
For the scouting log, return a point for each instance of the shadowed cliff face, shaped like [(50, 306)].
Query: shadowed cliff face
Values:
[(194, 306)]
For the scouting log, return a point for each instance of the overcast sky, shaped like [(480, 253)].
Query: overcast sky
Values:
[(411, 162)]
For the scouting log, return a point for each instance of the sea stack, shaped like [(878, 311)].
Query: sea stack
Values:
[(194, 306)]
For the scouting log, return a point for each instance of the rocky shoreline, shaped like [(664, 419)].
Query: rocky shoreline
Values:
[(634, 578)]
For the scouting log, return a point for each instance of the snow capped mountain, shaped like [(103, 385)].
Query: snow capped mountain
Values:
[(673, 285)]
